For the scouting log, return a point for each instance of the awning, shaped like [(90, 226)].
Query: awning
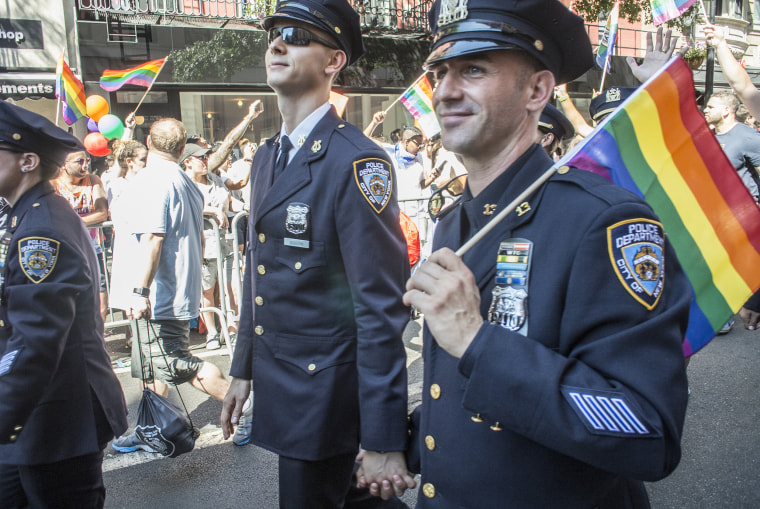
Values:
[(18, 86)]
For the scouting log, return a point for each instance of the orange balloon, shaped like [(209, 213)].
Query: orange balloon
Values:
[(96, 144), (97, 106)]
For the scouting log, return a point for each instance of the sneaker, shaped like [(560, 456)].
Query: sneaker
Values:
[(727, 327), (214, 343), (130, 443), (242, 434)]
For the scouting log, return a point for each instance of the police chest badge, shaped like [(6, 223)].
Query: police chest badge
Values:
[(375, 180), (298, 225), (637, 253), (37, 257), (510, 292)]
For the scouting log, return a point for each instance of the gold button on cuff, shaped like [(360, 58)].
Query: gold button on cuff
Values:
[(13, 438), (312, 367), (430, 442), (563, 169), (262, 238), (496, 427), (476, 418), (435, 391), (2, 323), (259, 300), (298, 265), (261, 269), (259, 330), (17, 427), (428, 489)]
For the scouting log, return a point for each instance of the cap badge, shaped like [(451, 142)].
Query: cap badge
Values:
[(301, 140), (613, 95), (452, 11)]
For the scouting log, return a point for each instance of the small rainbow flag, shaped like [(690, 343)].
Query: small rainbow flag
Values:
[(607, 37), (418, 99), (665, 10), (70, 91), (142, 75), (658, 145)]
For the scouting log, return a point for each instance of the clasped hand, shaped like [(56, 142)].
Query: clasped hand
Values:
[(385, 474)]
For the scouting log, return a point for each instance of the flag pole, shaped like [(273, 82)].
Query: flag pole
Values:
[(604, 73), (58, 79), (166, 59)]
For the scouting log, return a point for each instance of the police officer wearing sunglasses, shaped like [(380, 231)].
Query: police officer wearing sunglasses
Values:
[(554, 370), (60, 401), (322, 317)]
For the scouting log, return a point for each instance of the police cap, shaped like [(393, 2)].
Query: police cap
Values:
[(545, 29), (606, 102), (31, 132), (554, 121), (335, 17)]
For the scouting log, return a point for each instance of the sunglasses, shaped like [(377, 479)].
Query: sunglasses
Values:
[(446, 197), (80, 162), (297, 36)]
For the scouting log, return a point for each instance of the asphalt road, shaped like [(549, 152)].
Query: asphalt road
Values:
[(719, 468)]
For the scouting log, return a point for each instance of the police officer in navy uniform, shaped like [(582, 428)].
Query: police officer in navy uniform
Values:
[(60, 401), (322, 317), (554, 373), (553, 129)]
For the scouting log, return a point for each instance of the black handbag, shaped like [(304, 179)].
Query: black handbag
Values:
[(161, 424)]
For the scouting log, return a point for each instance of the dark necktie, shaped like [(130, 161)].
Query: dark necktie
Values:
[(282, 160)]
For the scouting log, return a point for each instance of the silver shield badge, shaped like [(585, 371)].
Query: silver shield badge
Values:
[(510, 292), (297, 221)]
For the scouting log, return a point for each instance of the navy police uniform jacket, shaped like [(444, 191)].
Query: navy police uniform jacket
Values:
[(59, 396), (574, 389), (322, 318)]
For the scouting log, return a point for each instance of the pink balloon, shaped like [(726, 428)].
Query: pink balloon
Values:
[(96, 144)]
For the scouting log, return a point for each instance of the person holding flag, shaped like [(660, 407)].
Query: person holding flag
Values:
[(553, 360)]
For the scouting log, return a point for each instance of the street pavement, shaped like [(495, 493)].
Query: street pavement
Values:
[(719, 467)]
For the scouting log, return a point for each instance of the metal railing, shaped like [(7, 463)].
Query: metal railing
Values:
[(383, 15)]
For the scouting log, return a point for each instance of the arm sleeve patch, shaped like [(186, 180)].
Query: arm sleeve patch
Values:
[(607, 413), (637, 253), (37, 257), (375, 180)]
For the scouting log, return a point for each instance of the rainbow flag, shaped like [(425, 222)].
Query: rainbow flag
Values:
[(418, 99), (142, 75), (607, 37), (70, 91), (665, 10), (658, 145)]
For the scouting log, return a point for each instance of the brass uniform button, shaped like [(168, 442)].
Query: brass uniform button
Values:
[(312, 367), (563, 169), (262, 238), (298, 265), (259, 300), (17, 428), (476, 418), (428, 489), (261, 269), (430, 442), (2, 323), (539, 45), (496, 427), (13, 438), (259, 330), (435, 391)]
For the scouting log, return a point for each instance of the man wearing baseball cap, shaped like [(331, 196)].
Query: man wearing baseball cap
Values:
[(322, 318), (554, 374)]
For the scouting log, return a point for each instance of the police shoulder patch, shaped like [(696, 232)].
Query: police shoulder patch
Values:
[(637, 253), (37, 257), (374, 177)]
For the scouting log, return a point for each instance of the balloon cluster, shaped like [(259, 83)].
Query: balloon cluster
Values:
[(102, 126)]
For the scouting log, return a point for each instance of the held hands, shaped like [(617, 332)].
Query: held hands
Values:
[(232, 407), (385, 474), (444, 290), (749, 318), (656, 56)]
